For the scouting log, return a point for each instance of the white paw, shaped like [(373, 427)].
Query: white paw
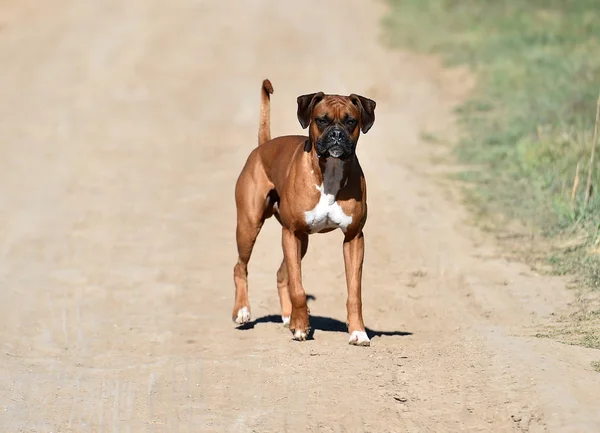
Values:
[(300, 335), (359, 338), (243, 316), (286, 321)]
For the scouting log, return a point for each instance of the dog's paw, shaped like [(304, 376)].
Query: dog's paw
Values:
[(359, 338), (286, 321), (243, 316), (299, 324), (300, 335)]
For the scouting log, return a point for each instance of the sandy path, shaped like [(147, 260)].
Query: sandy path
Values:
[(123, 126)]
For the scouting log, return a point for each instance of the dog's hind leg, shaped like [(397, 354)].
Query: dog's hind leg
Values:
[(251, 195), (284, 294)]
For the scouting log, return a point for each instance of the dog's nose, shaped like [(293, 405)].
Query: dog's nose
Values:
[(337, 135)]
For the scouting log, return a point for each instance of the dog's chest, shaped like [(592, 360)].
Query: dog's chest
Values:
[(328, 214)]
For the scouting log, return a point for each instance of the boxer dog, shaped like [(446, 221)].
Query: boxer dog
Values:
[(311, 185)]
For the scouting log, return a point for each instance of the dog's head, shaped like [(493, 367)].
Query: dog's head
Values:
[(335, 122)]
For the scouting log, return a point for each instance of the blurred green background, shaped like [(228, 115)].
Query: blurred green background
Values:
[(530, 121)]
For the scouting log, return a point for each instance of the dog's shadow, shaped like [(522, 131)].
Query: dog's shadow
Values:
[(320, 323)]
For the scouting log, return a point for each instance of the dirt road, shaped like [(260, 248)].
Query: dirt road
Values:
[(123, 126)]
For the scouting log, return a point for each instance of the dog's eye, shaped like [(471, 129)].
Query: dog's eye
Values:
[(322, 121), (351, 122)]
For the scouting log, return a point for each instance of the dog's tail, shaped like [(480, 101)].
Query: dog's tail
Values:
[(264, 126)]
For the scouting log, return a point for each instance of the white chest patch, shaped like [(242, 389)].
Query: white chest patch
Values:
[(328, 213)]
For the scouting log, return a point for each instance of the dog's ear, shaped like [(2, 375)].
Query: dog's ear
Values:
[(367, 111), (306, 103)]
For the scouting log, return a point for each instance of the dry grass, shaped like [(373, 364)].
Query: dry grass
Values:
[(588, 186)]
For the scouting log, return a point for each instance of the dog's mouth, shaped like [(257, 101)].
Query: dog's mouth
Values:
[(340, 151), (335, 152)]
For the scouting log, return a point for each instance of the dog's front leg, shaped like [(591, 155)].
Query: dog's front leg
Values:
[(292, 253), (354, 251)]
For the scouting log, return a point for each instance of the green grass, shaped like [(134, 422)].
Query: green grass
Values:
[(596, 366), (530, 120)]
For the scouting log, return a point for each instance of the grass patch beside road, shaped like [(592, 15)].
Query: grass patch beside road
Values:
[(530, 122), (527, 129)]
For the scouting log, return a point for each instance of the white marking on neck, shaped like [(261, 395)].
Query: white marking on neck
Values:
[(328, 213)]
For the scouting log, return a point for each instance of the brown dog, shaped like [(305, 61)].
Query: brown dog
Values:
[(311, 184)]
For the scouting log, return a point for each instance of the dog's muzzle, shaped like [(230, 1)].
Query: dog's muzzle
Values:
[(335, 143)]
